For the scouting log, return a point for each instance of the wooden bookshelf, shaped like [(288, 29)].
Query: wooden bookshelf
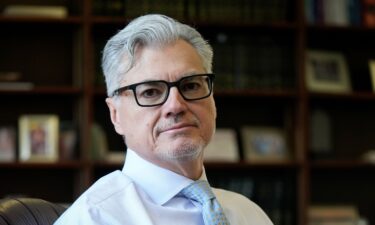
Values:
[(61, 58)]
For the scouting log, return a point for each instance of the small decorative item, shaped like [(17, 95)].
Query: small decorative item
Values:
[(369, 156), (38, 138), (321, 145), (7, 144), (327, 72), (264, 144), (68, 139), (372, 72)]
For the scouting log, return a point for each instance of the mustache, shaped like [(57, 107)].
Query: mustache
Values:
[(174, 122)]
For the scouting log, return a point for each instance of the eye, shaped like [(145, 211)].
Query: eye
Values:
[(150, 90), (151, 93), (192, 85)]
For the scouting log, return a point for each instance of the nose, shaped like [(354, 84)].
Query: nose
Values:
[(175, 103)]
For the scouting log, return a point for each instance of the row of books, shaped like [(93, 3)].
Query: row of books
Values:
[(241, 11), (340, 12), (252, 63), (174, 8), (108, 8), (204, 10), (244, 62), (275, 196)]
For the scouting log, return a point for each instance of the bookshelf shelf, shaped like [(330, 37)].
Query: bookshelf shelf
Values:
[(342, 164), (110, 20), (332, 29), (45, 91), (356, 96), (257, 93), (231, 166), (73, 165), (248, 25), (243, 165), (40, 20), (61, 58)]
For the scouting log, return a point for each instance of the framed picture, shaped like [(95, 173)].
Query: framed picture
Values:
[(223, 146), (7, 144), (372, 72), (327, 72), (264, 144), (38, 138)]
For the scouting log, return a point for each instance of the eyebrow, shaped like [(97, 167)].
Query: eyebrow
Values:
[(184, 75)]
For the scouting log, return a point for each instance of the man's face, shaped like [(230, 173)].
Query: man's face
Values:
[(176, 131)]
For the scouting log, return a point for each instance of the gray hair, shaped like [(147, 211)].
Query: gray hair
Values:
[(149, 30)]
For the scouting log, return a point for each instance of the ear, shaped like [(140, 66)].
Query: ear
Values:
[(114, 114)]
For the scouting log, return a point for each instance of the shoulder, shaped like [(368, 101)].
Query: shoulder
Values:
[(241, 210), (101, 198), (107, 187)]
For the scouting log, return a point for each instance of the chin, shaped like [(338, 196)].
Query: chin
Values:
[(184, 152)]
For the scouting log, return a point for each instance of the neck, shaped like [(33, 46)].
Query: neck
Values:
[(191, 169)]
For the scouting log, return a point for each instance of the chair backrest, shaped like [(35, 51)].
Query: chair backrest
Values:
[(28, 211)]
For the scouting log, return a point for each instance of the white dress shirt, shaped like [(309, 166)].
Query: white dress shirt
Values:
[(146, 194)]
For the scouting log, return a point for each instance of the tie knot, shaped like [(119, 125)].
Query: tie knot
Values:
[(199, 191)]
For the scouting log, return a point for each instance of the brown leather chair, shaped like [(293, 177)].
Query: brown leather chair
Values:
[(28, 211)]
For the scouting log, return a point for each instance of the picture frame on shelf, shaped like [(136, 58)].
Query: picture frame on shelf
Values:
[(264, 144), (7, 144), (38, 138), (327, 71), (223, 147), (371, 64)]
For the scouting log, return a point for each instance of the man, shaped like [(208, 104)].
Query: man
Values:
[(159, 83)]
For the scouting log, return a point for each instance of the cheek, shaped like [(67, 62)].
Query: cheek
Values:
[(209, 121), (139, 129)]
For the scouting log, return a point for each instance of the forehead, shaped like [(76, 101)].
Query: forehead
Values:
[(170, 62)]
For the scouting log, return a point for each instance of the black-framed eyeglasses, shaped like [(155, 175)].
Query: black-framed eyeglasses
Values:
[(156, 92)]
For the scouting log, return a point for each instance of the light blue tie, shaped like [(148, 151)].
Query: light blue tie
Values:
[(201, 192)]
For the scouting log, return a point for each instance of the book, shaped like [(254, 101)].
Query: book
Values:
[(333, 215), (274, 195), (16, 86), (355, 13), (336, 12), (321, 133), (36, 11), (372, 73), (368, 13)]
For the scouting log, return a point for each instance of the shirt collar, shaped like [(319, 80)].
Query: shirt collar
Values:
[(160, 184)]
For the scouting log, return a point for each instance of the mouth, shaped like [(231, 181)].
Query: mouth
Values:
[(180, 127)]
